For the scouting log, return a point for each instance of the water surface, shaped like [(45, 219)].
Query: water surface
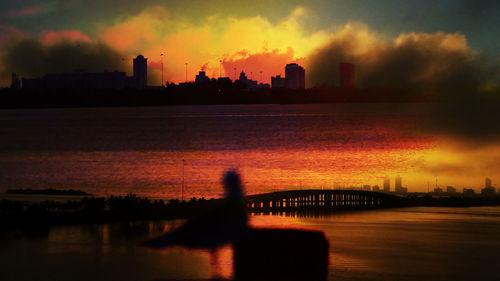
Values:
[(141, 150), (421, 243)]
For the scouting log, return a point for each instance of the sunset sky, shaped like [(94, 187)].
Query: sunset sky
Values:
[(436, 41)]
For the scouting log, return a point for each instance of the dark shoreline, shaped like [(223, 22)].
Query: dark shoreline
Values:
[(85, 98), (94, 210)]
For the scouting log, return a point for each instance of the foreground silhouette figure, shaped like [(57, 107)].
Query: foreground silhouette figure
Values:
[(221, 226)]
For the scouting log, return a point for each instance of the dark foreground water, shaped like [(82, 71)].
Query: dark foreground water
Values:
[(401, 244)]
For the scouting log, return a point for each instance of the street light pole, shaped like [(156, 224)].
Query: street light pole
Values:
[(182, 192), (161, 70), (220, 68)]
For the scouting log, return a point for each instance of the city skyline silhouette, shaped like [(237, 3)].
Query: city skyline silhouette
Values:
[(249, 140)]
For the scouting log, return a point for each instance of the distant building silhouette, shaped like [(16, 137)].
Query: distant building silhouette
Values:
[(488, 189), (398, 185), (438, 189), (16, 83), (469, 191), (78, 80), (92, 80), (140, 71), (376, 188), (248, 82), (487, 182), (451, 189), (387, 184), (367, 187), (398, 182), (201, 77), (347, 78), (225, 82), (295, 76), (278, 82)]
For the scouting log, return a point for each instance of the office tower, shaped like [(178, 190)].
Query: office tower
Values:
[(398, 184), (141, 71), (295, 76), (387, 184)]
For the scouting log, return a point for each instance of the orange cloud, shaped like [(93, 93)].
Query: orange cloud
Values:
[(155, 65), (50, 37), (271, 63), (154, 31)]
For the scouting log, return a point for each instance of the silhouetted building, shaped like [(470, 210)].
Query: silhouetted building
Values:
[(278, 82), (438, 189), (140, 72), (186, 85), (264, 86), (469, 191), (367, 187), (487, 182), (376, 188), (224, 83), (201, 77), (346, 75), (16, 83), (224, 80), (398, 187), (398, 183), (248, 82), (451, 189), (295, 76), (488, 189), (78, 80), (92, 80), (387, 184)]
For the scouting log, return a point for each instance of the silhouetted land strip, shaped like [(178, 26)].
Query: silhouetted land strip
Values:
[(90, 210), (49, 192), (61, 98), (100, 210)]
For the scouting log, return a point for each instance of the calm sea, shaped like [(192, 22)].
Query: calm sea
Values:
[(154, 151), (400, 244)]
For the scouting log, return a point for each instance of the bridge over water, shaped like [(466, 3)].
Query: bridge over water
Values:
[(298, 200)]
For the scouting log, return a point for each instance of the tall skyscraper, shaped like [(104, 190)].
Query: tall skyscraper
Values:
[(488, 189), (398, 185), (16, 83), (295, 76), (346, 75), (487, 183), (387, 184), (141, 71)]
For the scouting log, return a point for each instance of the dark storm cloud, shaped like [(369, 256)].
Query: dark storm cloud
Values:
[(420, 61), (33, 58), (474, 7), (413, 60), (473, 124)]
